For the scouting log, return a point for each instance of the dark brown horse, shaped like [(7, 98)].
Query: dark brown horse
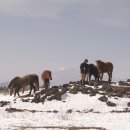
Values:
[(92, 70), (46, 77), (104, 67), (21, 82)]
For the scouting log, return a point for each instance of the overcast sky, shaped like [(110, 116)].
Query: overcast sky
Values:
[(50, 34)]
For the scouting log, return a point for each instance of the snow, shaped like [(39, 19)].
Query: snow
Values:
[(86, 112)]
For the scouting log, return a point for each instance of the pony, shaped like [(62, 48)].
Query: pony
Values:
[(46, 77), (104, 67), (21, 82), (92, 70)]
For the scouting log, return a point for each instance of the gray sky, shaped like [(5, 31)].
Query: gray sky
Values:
[(50, 34)]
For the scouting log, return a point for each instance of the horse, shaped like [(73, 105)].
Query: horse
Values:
[(92, 70), (21, 82), (104, 67), (46, 77), (87, 72)]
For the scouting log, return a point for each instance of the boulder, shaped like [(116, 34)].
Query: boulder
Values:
[(3, 103), (75, 89), (128, 104), (103, 98), (111, 104)]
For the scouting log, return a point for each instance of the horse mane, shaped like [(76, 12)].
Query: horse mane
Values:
[(12, 81), (99, 62)]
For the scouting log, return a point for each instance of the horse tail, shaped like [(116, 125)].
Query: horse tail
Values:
[(36, 81), (112, 67)]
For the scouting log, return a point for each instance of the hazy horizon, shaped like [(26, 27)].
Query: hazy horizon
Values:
[(54, 34)]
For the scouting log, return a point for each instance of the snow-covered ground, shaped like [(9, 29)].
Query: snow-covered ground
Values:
[(79, 110)]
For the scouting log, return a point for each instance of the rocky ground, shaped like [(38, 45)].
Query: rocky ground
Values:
[(91, 106)]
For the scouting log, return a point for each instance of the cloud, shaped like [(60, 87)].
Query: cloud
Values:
[(114, 22), (31, 8), (62, 68), (42, 8)]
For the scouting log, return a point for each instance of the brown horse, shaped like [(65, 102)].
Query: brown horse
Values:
[(21, 82), (46, 77), (104, 67)]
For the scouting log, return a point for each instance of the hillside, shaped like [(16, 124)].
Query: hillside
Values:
[(79, 107)]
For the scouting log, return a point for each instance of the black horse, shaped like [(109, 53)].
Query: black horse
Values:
[(90, 69)]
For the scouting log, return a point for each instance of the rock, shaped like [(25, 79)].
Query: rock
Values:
[(121, 92), (103, 98), (3, 103), (84, 90), (69, 111), (128, 80), (91, 83), (109, 88), (13, 110), (25, 100), (106, 86), (63, 91), (92, 93), (128, 104), (122, 83), (52, 90), (96, 84), (75, 89), (111, 104), (55, 111), (55, 96)]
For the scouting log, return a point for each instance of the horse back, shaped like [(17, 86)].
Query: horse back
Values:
[(93, 69), (30, 78), (109, 66)]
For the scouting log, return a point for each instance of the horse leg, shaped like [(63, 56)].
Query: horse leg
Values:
[(101, 76), (23, 90), (46, 85), (16, 91), (82, 79), (34, 88), (31, 87), (97, 78), (89, 78), (110, 77)]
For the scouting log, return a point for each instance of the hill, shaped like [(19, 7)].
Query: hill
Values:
[(79, 107)]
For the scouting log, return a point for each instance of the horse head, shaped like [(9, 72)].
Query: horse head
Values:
[(12, 84), (46, 77)]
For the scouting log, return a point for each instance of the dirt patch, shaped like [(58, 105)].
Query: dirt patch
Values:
[(126, 110), (10, 110), (3, 103), (63, 128)]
